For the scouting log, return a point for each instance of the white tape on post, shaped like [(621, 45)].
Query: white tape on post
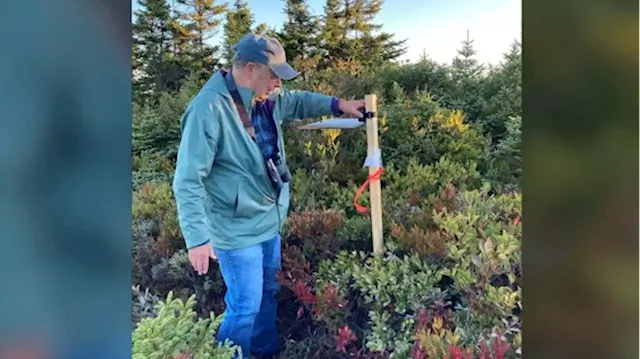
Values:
[(374, 157)]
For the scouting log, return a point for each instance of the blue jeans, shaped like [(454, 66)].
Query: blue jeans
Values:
[(251, 303)]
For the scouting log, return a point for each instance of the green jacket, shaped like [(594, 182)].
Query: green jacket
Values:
[(221, 188)]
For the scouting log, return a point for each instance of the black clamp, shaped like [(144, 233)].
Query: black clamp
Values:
[(366, 115)]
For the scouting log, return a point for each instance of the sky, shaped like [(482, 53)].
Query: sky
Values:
[(436, 27)]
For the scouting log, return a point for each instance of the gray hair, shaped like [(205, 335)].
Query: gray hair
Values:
[(238, 64)]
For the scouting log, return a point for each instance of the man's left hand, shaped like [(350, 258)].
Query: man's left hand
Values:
[(352, 107)]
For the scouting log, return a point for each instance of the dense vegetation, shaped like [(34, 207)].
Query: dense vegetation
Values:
[(448, 284)]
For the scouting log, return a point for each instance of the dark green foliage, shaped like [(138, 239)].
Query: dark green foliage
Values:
[(505, 169), (300, 36), (154, 40), (466, 92), (156, 128), (170, 45), (200, 20), (350, 34), (505, 90), (239, 23), (151, 168)]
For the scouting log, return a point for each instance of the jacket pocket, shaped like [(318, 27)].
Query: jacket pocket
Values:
[(251, 202)]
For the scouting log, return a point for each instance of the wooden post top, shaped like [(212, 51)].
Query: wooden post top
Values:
[(371, 103)]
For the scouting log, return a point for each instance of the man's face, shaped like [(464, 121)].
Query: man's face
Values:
[(263, 81)]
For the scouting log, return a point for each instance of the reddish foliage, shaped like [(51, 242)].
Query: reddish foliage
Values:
[(424, 319), (294, 267), (500, 347), (443, 311), (344, 337), (315, 233), (297, 276), (162, 249), (416, 351), (354, 353), (314, 224), (456, 352), (427, 243), (303, 292), (329, 300), (446, 199), (485, 353)]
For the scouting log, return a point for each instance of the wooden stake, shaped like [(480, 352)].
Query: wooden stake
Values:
[(373, 150)]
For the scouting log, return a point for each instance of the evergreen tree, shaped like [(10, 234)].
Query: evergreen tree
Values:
[(505, 93), (261, 28), (299, 36), (360, 15), (266, 30), (239, 23), (199, 21), (465, 66), (156, 67), (467, 93), (350, 33), (381, 48), (333, 36)]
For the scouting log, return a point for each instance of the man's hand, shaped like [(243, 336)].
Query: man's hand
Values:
[(351, 108), (199, 257)]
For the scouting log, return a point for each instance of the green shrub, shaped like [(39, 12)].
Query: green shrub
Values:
[(157, 129), (425, 75), (355, 234), (151, 168), (483, 247), (175, 333), (416, 126), (505, 167), (155, 215), (313, 190), (390, 289)]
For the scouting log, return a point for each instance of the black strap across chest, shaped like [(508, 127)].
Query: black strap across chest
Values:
[(242, 111)]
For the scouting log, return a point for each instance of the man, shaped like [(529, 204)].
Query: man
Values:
[(231, 182)]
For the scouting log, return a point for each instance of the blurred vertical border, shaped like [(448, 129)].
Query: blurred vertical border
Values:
[(580, 247), (65, 183)]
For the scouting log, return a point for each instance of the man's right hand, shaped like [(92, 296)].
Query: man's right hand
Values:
[(199, 257)]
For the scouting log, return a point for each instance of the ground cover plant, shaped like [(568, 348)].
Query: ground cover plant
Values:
[(449, 282)]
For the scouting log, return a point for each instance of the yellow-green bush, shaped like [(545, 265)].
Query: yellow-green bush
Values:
[(176, 332)]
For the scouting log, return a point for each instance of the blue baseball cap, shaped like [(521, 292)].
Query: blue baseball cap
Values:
[(267, 51)]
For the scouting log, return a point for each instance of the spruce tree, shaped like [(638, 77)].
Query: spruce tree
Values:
[(332, 33), (467, 93), (261, 28), (299, 36), (505, 93), (266, 30), (361, 15), (199, 21), (381, 48), (156, 67), (239, 23), (351, 33), (465, 66)]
